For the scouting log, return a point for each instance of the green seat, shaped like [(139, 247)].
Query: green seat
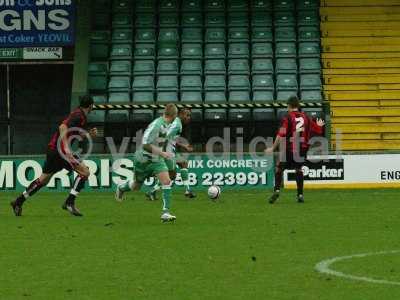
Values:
[(167, 83), (261, 34), (214, 5), (122, 36), (143, 83), (97, 69), (284, 19), (215, 19), (145, 20), (316, 112), (119, 97), (261, 19), (261, 5), (167, 97), (144, 67), (192, 51), (147, 35), (285, 95), (191, 97), (238, 35), (215, 97), (238, 19), (311, 96), (238, 67), (309, 34), (308, 5), (239, 97), (215, 66), (263, 83), (239, 114), (143, 115), (216, 115), (239, 83), (192, 5), (122, 21), (263, 96), (121, 52), (122, 6), (99, 99), (168, 20), (285, 34), (285, 50), (168, 5), (284, 5), (238, 50), (192, 20), (96, 116), (215, 51), (215, 35), (99, 45), (101, 20), (191, 67), (311, 50), (310, 82), (143, 98), (262, 50), (215, 83), (119, 84), (308, 18), (192, 35), (145, 5), (167, 67), (97, 82), (286, 66), (168, 36), (191, 83), (144, 51), (238, 5), (168, 52), (121, 68), (263, 114), (262, 66), (286, 82), (310, 66)]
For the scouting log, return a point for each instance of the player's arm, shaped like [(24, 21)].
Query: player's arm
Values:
[(317, 126), (63, 129), (279, 137), (181, 143)]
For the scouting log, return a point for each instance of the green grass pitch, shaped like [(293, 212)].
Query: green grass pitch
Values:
[(238, 248)]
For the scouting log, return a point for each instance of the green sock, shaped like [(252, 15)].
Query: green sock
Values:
[(166, 197), (156, 186), (127, 186), (185, 179)]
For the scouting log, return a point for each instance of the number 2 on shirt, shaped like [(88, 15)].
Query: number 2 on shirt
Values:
[(299, 124)]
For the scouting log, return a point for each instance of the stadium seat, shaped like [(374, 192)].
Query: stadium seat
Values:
[(145, 6), (239, 114), (284, 5), (261, 18), (191, 83), (238, 35), (214, 5), (192, 5), (309, 34), (168, 52), (99, 99), (238, 83), (238, 50), (238, 67), (308, 18), (144, 67), (238, 19), (286, 66), (286, 82), (143, 98), (311, 50), (215, 97), (122, 36), (144, 51), (262, 66), (192, 35), (263, 96), (167, 67), (167, 83), (311, 96), (263, 114), (284, 19), (122, 21), (101, 20), (192, 51), (145, 20), (215, 66), (99, 45), (215, 20), (191, 67), (169, 5), (215, 51), (308, 5), (263, 83), (285, 95), (261, 34), (215, 83), (147, 35), (237, 5), (119, 97), (142, 115), (143, 83), (121, 52), (167, 97), (120, 68), (262, 50), (192, 20), (310, 82), (215, 35), (119, 84), (96, 116), (168, 20), (285, 34), (191, 97), (216, 114), (285, 50), (98, 74), (239, 97), (310, 65), (168, 36), (314, 112)]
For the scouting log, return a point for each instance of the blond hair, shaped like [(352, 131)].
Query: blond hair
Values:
[(170, 110)]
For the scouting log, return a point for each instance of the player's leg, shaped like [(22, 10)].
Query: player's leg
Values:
[(78, 185), (300, 176), (152, 193), (140, 174), (279, 169), (171, 165), (183, 168), (166, 183)]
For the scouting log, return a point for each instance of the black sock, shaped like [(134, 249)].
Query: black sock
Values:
[(78, 185), (278, 178), (35, 186), (300, 182)]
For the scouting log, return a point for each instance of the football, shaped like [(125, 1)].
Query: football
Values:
[(214, 192)]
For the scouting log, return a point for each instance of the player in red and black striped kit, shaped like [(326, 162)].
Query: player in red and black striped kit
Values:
[(293, 142), (59, 156)]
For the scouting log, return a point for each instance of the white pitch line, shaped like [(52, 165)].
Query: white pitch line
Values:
[(324, 267)]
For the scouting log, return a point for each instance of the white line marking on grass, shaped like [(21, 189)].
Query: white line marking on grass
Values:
[(324, 267)]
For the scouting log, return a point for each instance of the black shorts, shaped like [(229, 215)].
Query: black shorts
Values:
[(55, 162), (293, 161)]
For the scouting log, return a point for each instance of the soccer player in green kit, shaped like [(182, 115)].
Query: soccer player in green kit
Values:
[(174, 143), (150, 161)]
